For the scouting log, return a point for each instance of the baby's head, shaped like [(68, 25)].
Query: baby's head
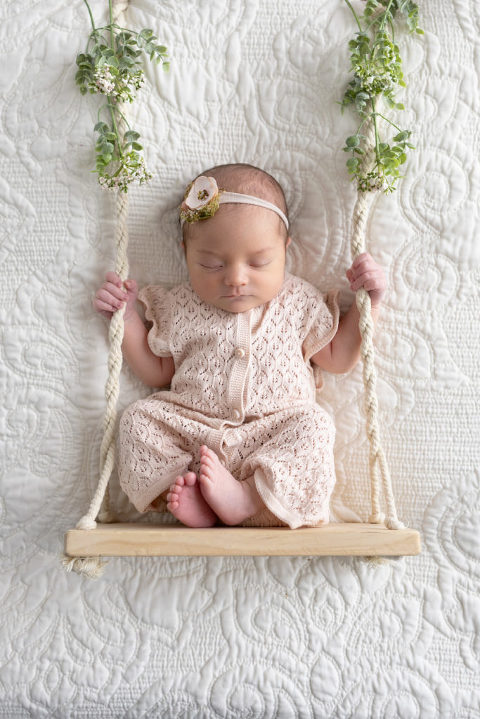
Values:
[(241, 249)]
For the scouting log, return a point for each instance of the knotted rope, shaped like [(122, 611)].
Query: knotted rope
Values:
[(100, 505), (377, 461)]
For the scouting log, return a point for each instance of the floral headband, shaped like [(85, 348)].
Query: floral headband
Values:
[(203, 198)]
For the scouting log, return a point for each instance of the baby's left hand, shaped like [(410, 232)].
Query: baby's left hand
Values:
[(366, 273)]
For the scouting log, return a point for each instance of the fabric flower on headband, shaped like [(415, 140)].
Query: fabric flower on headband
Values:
[(201, 200)]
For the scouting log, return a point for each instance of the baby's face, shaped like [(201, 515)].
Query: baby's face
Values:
[(236, 259)]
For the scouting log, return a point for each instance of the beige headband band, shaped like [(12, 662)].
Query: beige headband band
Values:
[(203, 199)]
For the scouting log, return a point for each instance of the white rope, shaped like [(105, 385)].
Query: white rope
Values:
[(377, 460), (93, 567)]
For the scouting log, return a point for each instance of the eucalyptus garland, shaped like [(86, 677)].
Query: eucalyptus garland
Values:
[(377, 73), (110, 66)]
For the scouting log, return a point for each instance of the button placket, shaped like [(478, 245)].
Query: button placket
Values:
[(240, 365)]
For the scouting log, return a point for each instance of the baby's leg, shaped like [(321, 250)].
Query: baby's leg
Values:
[(154, 448), (186, 503), (231, 500), (293, 464)]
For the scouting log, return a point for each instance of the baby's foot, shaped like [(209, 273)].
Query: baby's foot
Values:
[(231, 500), (186, 503)]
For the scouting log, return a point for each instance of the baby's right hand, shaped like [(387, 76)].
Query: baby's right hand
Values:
[(113, 294)]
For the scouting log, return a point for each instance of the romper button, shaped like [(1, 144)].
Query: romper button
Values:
[(236, 414), (239, 352)]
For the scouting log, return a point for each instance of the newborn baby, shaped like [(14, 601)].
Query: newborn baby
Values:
[(238, 438)]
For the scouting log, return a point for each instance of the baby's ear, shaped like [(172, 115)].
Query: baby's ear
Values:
[(289, 239)]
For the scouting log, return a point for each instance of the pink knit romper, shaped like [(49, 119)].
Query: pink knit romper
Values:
[(244, 386)]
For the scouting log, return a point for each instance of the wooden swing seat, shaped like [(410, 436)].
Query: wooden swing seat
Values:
[(334, 539)]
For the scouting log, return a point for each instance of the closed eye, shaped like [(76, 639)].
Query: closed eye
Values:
[(219, 267)]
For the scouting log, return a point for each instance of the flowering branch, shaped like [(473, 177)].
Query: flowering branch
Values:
[(110, 66), (377, 67)]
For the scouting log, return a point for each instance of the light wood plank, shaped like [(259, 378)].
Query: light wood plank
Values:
[(342, 539)]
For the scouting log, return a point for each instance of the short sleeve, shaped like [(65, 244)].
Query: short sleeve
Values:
[(158, 310), (320, 327)]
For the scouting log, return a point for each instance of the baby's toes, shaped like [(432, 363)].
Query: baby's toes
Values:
[(172, 501), (207, 459), (206, 468), (206, 473), (190, 479)]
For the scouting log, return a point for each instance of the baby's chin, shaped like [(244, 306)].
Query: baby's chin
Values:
[(236, 304)]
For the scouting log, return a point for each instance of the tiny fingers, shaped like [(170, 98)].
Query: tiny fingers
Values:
[(117, 292), (108, 300), (113, 278), (130, 285), (359, 259), (368, 280), (101, 306)]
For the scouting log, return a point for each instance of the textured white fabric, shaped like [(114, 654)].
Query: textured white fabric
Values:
[(249, 370), (269, 638)]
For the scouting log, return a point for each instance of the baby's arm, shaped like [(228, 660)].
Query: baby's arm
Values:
[(152, 370), (343, 352)]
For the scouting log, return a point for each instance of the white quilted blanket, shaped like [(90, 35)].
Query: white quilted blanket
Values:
[(255, 81)]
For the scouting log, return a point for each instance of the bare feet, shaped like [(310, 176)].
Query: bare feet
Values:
[(231, 500), (186, 503)]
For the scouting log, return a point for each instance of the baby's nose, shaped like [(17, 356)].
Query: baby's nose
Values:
[(236, 276)]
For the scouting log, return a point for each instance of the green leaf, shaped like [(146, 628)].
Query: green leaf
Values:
[(352, 141), (82, 77)]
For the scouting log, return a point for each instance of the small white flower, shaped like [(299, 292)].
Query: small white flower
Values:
[(103, 79), (201, 192)]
